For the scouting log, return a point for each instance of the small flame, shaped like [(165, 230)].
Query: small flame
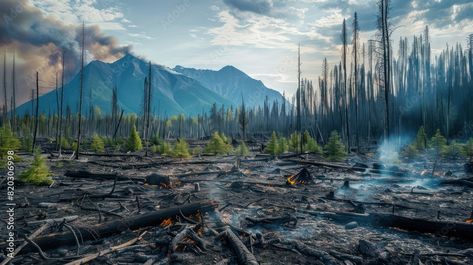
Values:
[(292, 180), (469, 220), (166, 222)]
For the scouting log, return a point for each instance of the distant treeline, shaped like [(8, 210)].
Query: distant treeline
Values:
[(372, 93)]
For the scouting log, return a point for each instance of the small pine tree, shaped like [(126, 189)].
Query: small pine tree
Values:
[(155, 149), (97, 144), (438, 142), (335, 149), (134, 141), (197, 151), (65, 144), (282, 145), (421, 139), (294, 142), (217, 145), (272, 147), (8, 142), (468, 149), (242, 149), (311, 145), (181, 149), (453, 150), (165, 149), (38, 173), (410, 151)]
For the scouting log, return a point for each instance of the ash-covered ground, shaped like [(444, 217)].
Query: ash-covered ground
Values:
[(328, 216)]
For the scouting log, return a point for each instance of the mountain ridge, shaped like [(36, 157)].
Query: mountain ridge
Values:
[(174, 92)]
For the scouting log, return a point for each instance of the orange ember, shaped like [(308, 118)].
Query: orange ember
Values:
[(301, 178), (166, 222), (469, 220)]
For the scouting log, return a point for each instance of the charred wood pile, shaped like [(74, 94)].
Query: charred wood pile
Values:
[(124, 210)]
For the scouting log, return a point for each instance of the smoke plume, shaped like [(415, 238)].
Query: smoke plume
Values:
[(38, 41)]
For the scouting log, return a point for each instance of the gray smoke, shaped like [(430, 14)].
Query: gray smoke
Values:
[(38, 42)]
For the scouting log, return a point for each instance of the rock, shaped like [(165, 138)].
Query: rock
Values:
[(159, 180), (367, 248), (351, 225), (360, 167)]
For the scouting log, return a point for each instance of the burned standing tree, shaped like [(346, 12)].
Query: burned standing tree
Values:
[(243, 119), (5, 98), (13, 103), (81, 91), (299, 101), (148, 109), (356, 30), (383, 28), (36, 119), (61, 101), (345, 91)]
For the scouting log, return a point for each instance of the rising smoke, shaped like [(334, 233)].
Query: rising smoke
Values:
[(38, 41)]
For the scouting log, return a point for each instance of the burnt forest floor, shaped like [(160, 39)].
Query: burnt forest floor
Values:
[(277, 223)]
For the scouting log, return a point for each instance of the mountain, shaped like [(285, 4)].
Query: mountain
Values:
[(232, 84), (173, 93)]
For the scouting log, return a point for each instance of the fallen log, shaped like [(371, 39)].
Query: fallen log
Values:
[(31, 237), (244, 256), (102, 176), (397, 173), (114, 227), (93, 256), (437, 227), (458, 182), (282, 220)]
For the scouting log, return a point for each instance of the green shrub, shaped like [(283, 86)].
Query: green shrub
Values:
[(294, 142), (310, 144), (164, 148), (38, 173), (468, 149), (217, 145), (453, 150), (335, 149), (134, 141), (155, 140), (97, 144), (8, 142), (65, 144), (74, 145), (272, 146), (181, 149), (242, 149), (155, 148), (410, 151), (283, 146), (197, 151)]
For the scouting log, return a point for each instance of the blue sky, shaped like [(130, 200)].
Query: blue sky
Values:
[(259, 37)]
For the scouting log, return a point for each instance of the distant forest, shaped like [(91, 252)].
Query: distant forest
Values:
[(372, 93)]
